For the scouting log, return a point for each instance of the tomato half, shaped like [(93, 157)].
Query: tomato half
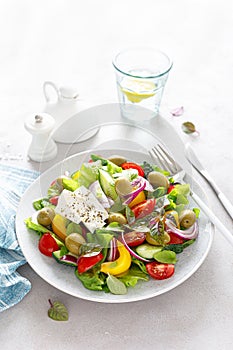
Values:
[(47, 244), (134, 238), (144, 208), (129, 165), (160, 271), (85, 263), (174, 239)]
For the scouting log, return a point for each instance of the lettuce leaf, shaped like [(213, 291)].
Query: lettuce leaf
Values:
[(109, 166), (42, 203), (133, 275), (92, 279), (36, 227), (89, 173), (39, 229), (178, 197)]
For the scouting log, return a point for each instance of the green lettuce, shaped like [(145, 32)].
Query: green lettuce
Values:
[(92, 279), (40, 230), (178, 197), (36, 227), (107, 165), (42, 203), (89, 173), (133, 275)]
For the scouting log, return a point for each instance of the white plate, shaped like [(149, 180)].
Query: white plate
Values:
[(63, 278)]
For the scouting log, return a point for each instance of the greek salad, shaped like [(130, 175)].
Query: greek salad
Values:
[(115, 222)]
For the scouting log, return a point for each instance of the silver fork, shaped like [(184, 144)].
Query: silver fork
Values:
[(166, 162)]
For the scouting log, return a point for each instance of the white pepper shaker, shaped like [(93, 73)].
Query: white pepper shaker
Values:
[(42, 148)]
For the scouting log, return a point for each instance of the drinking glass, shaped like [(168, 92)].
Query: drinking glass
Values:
[(141, 75)]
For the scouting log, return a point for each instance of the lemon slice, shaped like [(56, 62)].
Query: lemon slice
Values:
[(137, 90)]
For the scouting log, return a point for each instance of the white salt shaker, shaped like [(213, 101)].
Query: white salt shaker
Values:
[(42, 148)]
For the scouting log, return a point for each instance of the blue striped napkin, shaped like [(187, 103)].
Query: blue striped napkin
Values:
[(13, 183)]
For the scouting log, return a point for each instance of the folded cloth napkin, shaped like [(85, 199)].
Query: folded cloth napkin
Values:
[(13, 183)]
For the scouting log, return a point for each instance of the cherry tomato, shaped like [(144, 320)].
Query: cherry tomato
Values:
[(160, 271), (47, 244), (174, 239), (144, 208), (129, 165), (54, 200), (134, 238), (85, 263)]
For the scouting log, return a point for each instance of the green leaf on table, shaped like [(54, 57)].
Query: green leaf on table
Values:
[(58, 311)]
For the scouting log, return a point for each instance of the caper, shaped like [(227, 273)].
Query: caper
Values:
[(187, 218), (45, 216), (117, 217), (118, 160), (73, 242), (158, 179), (123, 186)]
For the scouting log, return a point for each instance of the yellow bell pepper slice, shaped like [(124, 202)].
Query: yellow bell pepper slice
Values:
[(120, 265), (140, 198), (59, 226)]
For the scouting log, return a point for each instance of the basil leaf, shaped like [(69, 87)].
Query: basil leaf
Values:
[(115, 285), (166, 257), (58, 311)]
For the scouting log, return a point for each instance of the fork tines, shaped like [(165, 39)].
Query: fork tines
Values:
[(165, 161)]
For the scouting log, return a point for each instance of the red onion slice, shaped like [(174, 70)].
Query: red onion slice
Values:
[(189, 233), (69, 259), (131, 251), (112, 250), (141, 184)]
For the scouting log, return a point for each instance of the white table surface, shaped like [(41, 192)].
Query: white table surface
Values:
[(72, 43)]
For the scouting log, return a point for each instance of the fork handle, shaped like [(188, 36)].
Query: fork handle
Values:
[(213, 218)]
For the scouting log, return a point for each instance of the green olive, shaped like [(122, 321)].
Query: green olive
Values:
[(118, 160), (73, 242), (123, 186), (158, 179), (45, 216), (187, 218), (117, 217)]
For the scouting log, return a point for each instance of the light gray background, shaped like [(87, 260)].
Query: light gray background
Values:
[(72, 43)]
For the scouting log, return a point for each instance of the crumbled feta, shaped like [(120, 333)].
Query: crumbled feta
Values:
[(81, 205)]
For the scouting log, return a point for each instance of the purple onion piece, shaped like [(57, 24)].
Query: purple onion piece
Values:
[(189, 233)]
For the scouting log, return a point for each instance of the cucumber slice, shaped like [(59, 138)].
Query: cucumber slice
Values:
[(107, 183), (147, 251)]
